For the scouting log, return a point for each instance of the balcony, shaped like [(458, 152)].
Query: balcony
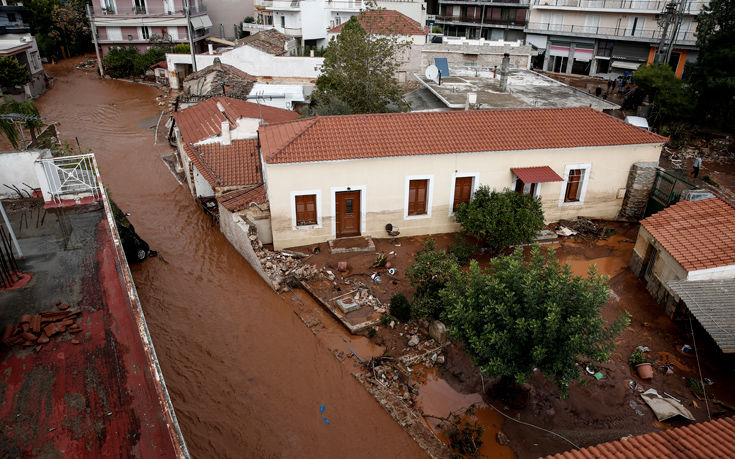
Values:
[(279, 4), (486, 2), (147, 10), (642, 35), (337, 5), (480, 22), (652, 6)]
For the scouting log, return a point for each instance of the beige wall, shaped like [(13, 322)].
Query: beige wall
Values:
[(383, 184), (665, 268)]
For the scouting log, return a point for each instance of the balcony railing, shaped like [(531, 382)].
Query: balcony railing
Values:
[(480, 21), (278, 4), (627, 32), (485, 2), (344, 5), (650, 5), (148, 10)]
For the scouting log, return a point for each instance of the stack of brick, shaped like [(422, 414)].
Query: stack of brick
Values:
[(37, 330)]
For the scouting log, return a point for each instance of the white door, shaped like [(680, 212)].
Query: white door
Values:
[(557, 21), (114, 34)]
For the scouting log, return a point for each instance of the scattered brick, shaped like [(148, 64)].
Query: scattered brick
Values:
[(28, 336), (25, 318), (43, 339), (36, 324)]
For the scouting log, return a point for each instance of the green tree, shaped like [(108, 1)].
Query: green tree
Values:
[(12, 72), (713, 77), (70, 27), (182, 48), (527, 315), (143, 62), (359, 69), (329, 106), (670, 96), (120, 62), (428, 274), (501, 219), (9, 127)]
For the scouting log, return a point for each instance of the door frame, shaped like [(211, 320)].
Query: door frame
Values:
[(363, 206)]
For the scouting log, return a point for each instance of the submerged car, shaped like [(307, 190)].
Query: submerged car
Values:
[(135, 248)]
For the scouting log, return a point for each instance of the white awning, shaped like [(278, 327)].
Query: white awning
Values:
[(201, 22), (626, 65)]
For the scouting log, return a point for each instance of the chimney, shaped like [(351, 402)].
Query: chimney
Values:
[(226, 138), (471, 100), (504, 72), (210, 48), (217, 63)]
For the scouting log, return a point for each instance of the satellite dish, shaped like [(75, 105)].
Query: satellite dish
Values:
[(432, 73)]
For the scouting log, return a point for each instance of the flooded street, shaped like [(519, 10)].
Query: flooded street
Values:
[(246, 376)]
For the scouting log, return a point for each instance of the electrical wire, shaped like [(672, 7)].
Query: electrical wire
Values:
[(699, 368)]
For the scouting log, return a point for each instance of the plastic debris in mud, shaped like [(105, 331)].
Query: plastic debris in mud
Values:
[(321, 414)]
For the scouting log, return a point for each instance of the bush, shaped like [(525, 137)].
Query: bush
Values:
[(501, 219), (120, 62), (436, 29), (12, 72), (249, 20), (400, 308), (182, 48), (463, 249), (428, 274)]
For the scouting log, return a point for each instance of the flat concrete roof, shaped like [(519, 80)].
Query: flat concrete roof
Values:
[(525, 89)]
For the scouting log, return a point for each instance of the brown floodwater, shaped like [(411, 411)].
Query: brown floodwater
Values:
[(246, 376)]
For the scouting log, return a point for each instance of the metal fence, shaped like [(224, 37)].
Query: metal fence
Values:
[(71, 176)]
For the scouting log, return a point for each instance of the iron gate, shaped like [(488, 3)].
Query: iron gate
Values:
[(71, 175), (667, 189)]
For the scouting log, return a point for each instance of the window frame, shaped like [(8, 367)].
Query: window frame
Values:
[(145, 30), (429, 194), (475, 183), (318, 209), (586, 168)]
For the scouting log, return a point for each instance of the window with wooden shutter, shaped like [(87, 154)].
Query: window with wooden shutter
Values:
[(306, 210), (417, 192), (525, 188), (462, 191), (574, 185)]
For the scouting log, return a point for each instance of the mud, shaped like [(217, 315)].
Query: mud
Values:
[(245, 375)]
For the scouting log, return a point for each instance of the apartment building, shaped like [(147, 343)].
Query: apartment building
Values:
[(310, 20), (607, 37), (144, 23), (489, 19), (16, 41)]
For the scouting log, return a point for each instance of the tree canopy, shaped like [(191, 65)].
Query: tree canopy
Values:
[(359, 71), (12, 72), (670, 96), (9, 128), (522, 315), (61, 27), (501, 218)]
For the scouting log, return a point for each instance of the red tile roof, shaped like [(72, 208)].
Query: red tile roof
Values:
[(236, 201), (204, 119), (540, 174), (713, 439), (327, 138), (385, 22), (699, 235), (225, 166)]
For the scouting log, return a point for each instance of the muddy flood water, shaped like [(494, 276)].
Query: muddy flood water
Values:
[(246, 376)]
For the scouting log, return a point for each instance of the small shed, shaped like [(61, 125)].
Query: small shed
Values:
[(712, 303)]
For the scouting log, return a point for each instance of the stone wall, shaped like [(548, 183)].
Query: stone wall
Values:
[(638, 189), (237, 231), (483, 56)]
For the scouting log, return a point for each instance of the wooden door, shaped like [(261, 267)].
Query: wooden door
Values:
[(348, 213), (462, 191)]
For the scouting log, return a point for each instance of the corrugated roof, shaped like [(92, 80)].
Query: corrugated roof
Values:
[(204, 119), (699, 235), (236, 201), (712, 439), (540, 174), (385, 22), (327, 138), (237, 164), (712, 302)]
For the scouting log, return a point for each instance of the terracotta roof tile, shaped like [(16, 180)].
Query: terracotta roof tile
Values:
[(204, 119), (238, 200), (225, 166), (270, 41), (699, 235), (540, 174), (328, 138), (713, 439), (386, 22)]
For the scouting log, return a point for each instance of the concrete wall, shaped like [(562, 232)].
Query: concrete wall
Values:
[(228, 13), (17, 168), (237, 231), (252, 61), (383, 184), (481, 55)]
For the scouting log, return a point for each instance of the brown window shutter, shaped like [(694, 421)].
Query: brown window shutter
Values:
[(462, 191), (417, 190), (306, 210), (575, 176)]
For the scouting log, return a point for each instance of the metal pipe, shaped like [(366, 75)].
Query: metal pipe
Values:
[(10, 230)]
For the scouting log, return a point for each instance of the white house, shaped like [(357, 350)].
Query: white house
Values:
[(338, 176)]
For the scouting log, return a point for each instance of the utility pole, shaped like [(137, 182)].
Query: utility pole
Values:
[(93, 28), (670, 21), (190, 31)]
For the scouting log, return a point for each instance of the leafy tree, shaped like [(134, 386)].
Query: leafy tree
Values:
[(668, 93), (501, 219), (12, 72), (142, 62), (70, 27), (359, 69), (120, 62), (528, 315), (713, 76), (9, 128), (182, 48), (329, 106), (428, 275)]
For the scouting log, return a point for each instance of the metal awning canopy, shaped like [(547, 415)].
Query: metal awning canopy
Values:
[(626, 65), (541, 174), (712, 303)]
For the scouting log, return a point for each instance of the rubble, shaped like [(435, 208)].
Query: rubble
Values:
[(38, 329), (584, 228)]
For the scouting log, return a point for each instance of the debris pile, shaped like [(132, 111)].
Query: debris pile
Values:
[(582, 227), (88, 64), (720, 150), (38, 329)]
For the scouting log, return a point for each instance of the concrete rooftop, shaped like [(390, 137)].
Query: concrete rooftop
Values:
[(95, 393), (525, 89)]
